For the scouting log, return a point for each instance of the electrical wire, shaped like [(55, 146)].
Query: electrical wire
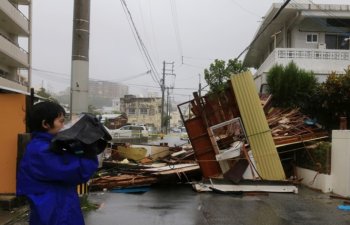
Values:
[(267, 25), (321, 22), (154, 74), (152, 26), (66, 76), (245, 9), (176, 26)]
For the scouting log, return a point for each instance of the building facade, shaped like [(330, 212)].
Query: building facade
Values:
[(15, 77), (139, 110), (107, 89), (15, 60), (314, 36)]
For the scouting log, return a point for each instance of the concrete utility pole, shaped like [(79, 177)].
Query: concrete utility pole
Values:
[(167, 110), (163, 90), (162, 109), (200, 85), (80, 57)]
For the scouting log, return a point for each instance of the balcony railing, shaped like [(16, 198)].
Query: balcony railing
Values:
[(327, 54), (18, 56), (312, 59), (15, 15)]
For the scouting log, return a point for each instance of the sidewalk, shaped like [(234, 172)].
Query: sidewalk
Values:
[(14, 217)]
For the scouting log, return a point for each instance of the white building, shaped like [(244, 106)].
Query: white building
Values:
[(15, 24), (315, 36)]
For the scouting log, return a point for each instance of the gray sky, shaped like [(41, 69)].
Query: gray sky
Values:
[(198, 30)]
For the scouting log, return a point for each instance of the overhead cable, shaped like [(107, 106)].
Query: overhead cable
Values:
[(259, 34), (154, 73)]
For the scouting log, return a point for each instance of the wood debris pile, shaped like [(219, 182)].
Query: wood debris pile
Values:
[(290, 126), (134, 166)]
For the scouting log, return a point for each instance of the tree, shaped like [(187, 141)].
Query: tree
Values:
[(92, 110), (291, 86), (332, 100), (219, 73), (45, 94)]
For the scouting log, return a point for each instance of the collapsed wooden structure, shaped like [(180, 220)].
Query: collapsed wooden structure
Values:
[(235, 137), (215, 123)]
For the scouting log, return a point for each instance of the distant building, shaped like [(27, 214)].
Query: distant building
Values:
[(15, 79), (107, 89), (140, 110), (114, 121), (314, 36), (116, 104)]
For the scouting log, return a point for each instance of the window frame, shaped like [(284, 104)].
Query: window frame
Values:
[(312, 35)]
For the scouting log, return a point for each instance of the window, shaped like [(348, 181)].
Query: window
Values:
[(125, 128), (311, 38), (143, 111), (337, 41), (131, 111)]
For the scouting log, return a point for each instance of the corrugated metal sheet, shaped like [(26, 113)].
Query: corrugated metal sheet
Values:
[(259, 135)]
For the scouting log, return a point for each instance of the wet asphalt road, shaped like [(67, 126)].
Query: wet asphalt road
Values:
[(180, 205)]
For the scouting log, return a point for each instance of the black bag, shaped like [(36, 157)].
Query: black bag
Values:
[(86, 137)]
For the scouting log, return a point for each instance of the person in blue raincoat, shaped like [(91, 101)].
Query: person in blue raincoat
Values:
[(49, 180)]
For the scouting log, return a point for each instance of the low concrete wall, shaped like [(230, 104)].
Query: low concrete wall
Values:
[(341, 162), (339, 180), (315, 180)]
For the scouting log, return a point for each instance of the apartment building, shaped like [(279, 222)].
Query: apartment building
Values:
[(15, 60), (314, 36), (141, 110)]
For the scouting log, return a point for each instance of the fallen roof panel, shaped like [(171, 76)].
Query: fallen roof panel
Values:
[(265, 154)]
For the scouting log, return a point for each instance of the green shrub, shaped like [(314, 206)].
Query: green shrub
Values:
[(317, 158), (290, 86)]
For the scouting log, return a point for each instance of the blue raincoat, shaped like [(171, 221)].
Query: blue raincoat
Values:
[(50, 180)]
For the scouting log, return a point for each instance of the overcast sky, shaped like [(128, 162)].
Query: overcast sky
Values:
[(191, 33)]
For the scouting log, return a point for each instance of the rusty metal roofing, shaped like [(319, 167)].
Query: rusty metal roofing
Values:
[(259, 135)]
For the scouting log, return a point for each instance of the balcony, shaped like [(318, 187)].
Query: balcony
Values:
[(320, 61), (21, 2), (12, 55), (16, 86), (12, 20)]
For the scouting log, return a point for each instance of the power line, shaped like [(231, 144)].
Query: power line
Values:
[(67, 76), (245, 9), (154, 72), (259, 34), (176, 26), (319, 21)]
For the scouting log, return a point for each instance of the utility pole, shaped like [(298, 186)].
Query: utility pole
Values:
[(199, 86), (162, 109), (167, 110), (170, 72), (80, 58)]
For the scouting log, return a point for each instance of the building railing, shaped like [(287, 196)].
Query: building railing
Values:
[(15, 14), (281, 54), (326, 54), (13, 51)]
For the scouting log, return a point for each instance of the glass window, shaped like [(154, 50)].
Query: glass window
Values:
[(312, 38), (125, 128), (132, 111), (143, 111)]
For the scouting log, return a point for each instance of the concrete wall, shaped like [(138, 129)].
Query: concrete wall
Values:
[(341, 162), (315, 180), (12, 115), (339, 180)]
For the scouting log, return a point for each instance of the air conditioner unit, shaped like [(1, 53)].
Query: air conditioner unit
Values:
[(321, 45)]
